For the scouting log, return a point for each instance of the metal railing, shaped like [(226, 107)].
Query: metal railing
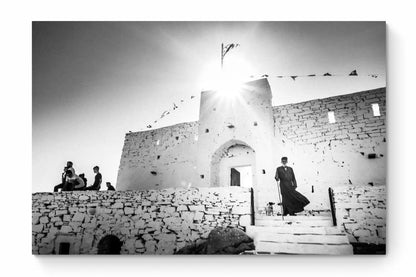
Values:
[(332, 205), (253, 212)]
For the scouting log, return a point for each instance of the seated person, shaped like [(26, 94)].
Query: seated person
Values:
[(82, 176), (73, 182), (63, 178), (109, 186), (97, 180)]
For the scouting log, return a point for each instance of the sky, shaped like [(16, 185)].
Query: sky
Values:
[(92, 82)]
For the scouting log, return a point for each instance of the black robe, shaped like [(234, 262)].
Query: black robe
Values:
[(292, 200)]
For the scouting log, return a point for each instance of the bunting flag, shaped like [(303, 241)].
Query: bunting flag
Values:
[(327, 74), (353, 73)]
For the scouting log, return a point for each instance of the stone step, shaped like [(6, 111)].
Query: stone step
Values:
[(310, 222), (303, 248), (291, 238), (293, 218), (252, 231)]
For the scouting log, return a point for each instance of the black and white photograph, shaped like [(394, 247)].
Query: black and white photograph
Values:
[(209, 138)]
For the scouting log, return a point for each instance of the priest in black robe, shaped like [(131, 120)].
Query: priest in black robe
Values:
[(292, 201)]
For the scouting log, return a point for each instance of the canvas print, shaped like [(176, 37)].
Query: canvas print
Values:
[(189, 138)]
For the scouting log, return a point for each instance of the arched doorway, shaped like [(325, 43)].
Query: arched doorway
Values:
[(233, 164), (110, 245)]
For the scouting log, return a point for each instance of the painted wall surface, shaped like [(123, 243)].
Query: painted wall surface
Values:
[(159, 158), (146, 222), (322, 154), (243, 118), (361, 211)]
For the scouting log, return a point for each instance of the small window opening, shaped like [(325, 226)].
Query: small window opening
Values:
[(206, 130), (153, 172), (158, 157), (255, 123), (264, 171), (64, 248), (202, 176), (177, 138), (376, 109), (331, 117)]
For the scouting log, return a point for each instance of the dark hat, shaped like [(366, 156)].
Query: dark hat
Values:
[(284, 158)]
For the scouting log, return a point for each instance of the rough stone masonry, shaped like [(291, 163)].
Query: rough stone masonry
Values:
[(146, 222)]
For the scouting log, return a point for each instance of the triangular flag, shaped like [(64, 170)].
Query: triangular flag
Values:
[(327, 74), (228, 47), (293, 77), (353, 73)]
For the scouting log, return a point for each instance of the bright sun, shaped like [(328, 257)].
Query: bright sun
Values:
[(228, 80)]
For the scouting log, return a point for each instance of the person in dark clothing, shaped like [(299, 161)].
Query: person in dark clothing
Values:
[(63, 178), (292, 201), (73, 182), (97, 180), (109, 186), (82, 176)]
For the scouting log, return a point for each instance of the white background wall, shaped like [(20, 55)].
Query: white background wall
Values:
[(16, 140)]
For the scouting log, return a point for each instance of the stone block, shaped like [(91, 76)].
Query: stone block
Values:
[(117, 205), (182, 208), (128, 210), (241, 210), (362, 233), (83, 198), (66, 229), (197, 208), (198, 216), (78, 217), (37, 228)]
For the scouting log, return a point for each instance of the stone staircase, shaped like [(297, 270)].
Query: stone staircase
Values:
[(302, 234)]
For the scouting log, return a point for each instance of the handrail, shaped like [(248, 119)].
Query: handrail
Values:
[(253, 214), (332, 204)]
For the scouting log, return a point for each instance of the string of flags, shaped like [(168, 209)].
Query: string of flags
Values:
[(327, 74), (353, 73), (167, 112)]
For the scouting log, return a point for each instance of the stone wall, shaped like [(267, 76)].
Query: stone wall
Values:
[(159, 158), (306, 123), (146, 222), (361, 211), (351, 150)]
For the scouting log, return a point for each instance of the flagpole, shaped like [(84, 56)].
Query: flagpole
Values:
[(222, 55)]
